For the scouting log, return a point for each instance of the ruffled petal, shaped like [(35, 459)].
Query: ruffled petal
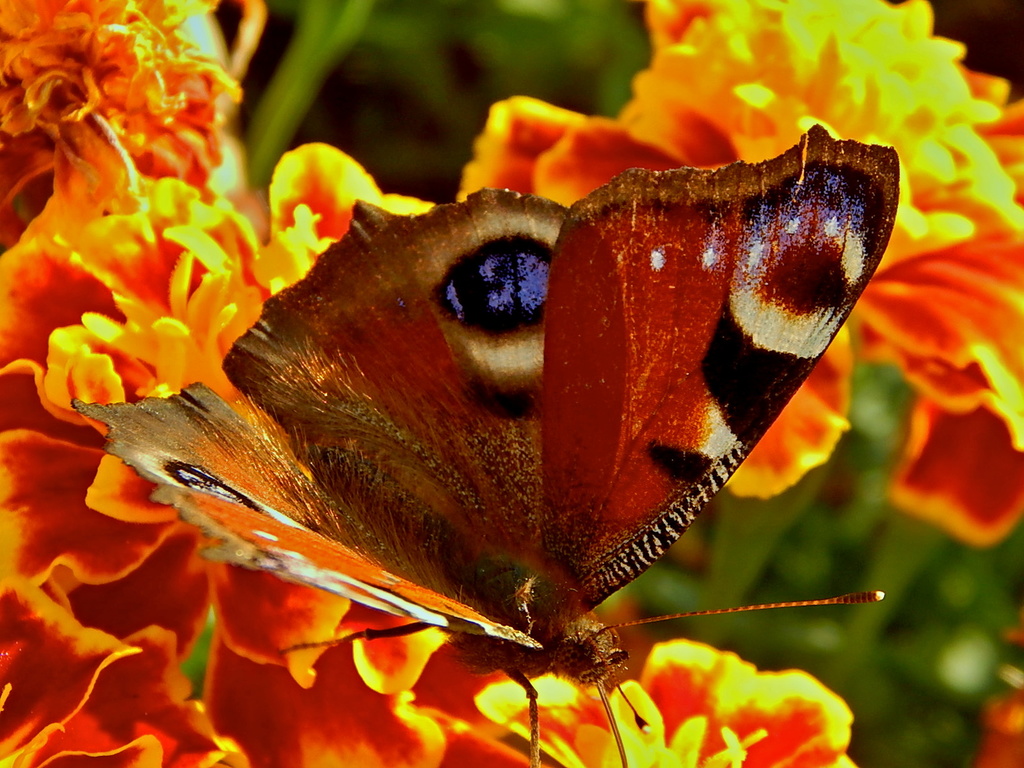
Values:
[(337, 721), (961, 473), (954, 320), (44, 519), (98, 95), (260, 616), (590, 154), (169, 589), (49, 664), (311, 197), (751, 76), (142, 695), (518, 131), (41, 288), (802, 722)]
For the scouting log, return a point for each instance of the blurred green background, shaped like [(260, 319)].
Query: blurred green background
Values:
[(405, 85)]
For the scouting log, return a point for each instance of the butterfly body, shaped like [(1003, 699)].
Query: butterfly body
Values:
[(492, 416)]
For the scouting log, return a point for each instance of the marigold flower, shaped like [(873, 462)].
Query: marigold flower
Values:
[(742, 80), (1002, 720), (99, 92), (70, 690), (1002, 745), (701, 707)]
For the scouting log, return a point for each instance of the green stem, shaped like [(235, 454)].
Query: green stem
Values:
[(905, 546), (745, 537), (324, 33)]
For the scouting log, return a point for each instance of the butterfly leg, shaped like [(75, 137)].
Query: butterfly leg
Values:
[(531, 696), (364, 634)]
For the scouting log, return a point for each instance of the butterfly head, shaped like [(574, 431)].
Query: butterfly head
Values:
[(586, 652)]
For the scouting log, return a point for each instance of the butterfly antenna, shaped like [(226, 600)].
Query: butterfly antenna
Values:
[(616, 734), (872, 596)]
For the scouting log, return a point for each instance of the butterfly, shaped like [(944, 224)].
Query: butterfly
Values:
[(491, 416)]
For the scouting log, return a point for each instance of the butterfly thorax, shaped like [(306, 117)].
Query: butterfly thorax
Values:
[(586, 651)]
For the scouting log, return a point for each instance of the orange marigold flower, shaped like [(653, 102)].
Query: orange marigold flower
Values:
[(731, 79), (97, 92), (70, 690), (1002, 720), (701, 706), (1002, 745)]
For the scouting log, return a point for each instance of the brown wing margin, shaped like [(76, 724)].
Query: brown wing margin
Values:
[(684, 310)]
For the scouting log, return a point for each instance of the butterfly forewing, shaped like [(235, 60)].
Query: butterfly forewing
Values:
[(685, 308)]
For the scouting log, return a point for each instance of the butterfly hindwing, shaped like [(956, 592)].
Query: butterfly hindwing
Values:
[(233, 474)]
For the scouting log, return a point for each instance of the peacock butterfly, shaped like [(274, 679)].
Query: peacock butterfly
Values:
[(491, 416)]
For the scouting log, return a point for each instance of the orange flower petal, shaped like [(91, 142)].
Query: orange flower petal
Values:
[(260, 616), (447, 685), (1006, 137), (465, 746), (100, 95), (338, 721), (137, 255), (118, 492), (806, 724), (23, 408), (42, 288), (44, 519), (699, 704), (752, 76), (573, 725), (142, 694), (588, 155), (954, 320), (518, 131), (326, 181), (390, 665), (48, 664), (144, 752), (1002, 745), (311, 197), (169, 589), (961, 473), (805, 434)]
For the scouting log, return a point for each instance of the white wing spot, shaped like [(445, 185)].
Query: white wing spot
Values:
[(285, 520), (832, 227), (720, 439), (773, 327), (658, 259), (792, 225), (755, 253), (710, 257), (853, 256)]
